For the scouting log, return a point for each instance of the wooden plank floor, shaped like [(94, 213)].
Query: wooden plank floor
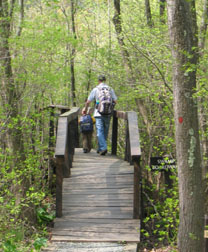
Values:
[(97, 202)]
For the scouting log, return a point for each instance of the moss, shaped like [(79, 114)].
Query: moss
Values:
[(191, 151)]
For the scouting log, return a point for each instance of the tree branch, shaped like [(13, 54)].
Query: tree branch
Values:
[(153, 63)]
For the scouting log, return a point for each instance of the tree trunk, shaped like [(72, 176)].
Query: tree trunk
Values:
[(8, 90), (126, 61), (128, 67), (202, 110), (162, 10), (73, 91), (148, 13), (203, 26), (118, 27), (182, 29), (21, 17)]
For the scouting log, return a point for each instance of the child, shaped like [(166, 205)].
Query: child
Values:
[(86, 127)]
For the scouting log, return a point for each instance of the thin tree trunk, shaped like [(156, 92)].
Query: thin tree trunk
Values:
[(128, 66), (203, 26), (183, 35), (118, 27), (126, 60), (21, 17), (148, 13), (203, 118), (88, 81), (73, 56), (162, 10)]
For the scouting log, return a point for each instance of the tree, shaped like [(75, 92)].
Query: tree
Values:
[(148, 13), (162, 10), (9, 92), (203, 98), (73, 55), (183, 35)]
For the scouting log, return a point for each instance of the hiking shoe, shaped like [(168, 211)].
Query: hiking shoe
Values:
[(103, 152)]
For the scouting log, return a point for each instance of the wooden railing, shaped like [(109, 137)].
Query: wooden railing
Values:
[(67, 139), (132, 152)]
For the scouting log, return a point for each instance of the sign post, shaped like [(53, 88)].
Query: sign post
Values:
[(163, 164)]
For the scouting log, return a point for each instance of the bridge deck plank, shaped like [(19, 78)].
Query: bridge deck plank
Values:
[(97, 201)]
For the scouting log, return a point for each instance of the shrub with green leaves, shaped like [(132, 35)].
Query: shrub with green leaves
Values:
[(162, 212)]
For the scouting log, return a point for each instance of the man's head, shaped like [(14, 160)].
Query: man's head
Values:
[(101, 78)]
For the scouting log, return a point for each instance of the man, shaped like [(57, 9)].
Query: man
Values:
[(102, 121)]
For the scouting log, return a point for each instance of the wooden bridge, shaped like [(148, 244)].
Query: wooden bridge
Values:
[(98, 198)]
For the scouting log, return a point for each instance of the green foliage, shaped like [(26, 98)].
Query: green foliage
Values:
[(44, 216), (23, 188), (39, 243), (162, 211), (8, 246)]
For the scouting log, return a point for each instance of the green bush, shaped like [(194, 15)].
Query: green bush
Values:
[(162, 213)]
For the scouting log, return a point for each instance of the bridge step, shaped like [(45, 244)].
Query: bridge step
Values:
[(90, 247), (97, 230)]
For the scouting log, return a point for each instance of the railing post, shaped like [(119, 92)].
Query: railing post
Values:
[(137, 188), (50, 148), (76, 133), (59, 181), (127, 147), (73, 134), (67, 161), (114, 134), (51, 128)]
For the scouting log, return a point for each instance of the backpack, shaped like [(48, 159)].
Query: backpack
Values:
[(86, 124), (105, 101)]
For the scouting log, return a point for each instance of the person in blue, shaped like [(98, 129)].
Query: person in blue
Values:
[(102, 121)]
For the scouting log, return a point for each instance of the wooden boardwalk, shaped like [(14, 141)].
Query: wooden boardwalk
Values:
[(97, 202)]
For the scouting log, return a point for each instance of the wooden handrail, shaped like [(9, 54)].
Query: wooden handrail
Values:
[(135, 149), (132, 152), (67, 139)]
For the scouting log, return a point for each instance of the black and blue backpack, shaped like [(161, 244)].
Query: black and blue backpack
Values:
[(86, 124)]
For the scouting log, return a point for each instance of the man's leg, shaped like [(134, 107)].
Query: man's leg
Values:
[(100, 134), (106, 126)]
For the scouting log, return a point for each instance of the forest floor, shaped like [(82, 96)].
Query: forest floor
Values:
[(164, 249), (149, 246)]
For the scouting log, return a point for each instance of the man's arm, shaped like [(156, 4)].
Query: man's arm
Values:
[(84, 111), (114, 97), (89, 99)]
